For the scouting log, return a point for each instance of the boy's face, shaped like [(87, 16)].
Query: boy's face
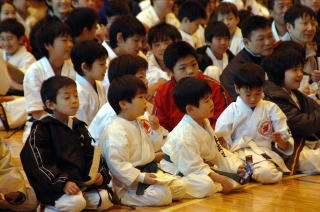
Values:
[(219, 45), (97, 70), (132, 45), (185, 67), (142, 75), (230, 20), (250, 96), (137, 106), (164, 6), (61, 47), (83, 3), (191, 26), (279, 9), (204, 110), (303, 30), (260, 42), (9, 42), (22, 5), (90, 34), (60, 6), (158, 48), (293, 77), (313, 4), (7, 11), (67, 102)]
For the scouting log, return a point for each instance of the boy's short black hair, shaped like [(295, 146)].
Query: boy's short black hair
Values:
[(163, 32), (87, 52), (176, 51), (192, 10), (13, 26), (253, 23), (249, 75), (50, 88), (126, 65), (189, 91), (128, 25), (287, 55), (223, 9), (298, 11), (116, 8), (270, 4), (50, 30), (124, 88), (80, 18), (216, 29)]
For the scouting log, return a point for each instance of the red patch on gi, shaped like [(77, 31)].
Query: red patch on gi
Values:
[(146, 125), (265, 128)]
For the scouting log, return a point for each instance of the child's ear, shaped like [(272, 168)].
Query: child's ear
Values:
[(119, 38), (185, 20), (47, 46), (49, 104), (245, 42), (236, 88), (237, 19), (21, 40), (85, 67), (123, 104), (289, 27), (189, 109)]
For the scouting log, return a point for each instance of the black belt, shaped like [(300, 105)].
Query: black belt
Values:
[(151, 167)]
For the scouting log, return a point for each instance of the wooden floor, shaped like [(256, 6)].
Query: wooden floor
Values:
[(299, 193)]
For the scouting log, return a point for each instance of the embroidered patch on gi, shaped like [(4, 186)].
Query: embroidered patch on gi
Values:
[(265, 128), (146, 125)]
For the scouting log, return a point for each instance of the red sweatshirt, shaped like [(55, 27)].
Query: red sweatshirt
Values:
[(168, 113)]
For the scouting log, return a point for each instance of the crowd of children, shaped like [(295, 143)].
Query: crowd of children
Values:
[(142, 103)]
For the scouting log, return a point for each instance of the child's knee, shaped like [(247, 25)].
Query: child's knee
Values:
[(200, 186), (178, 189), (267, 174), (105, 200), (160, 195), (71, 203)]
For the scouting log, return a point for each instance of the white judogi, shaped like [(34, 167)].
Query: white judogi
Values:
[(111, 55), (129, 144), (199, 37), (276, 36), (188, 38), (101, 121), (250, 135), (188, 146), (256, 8), (148, 16), (154, 72), (33, 79), (221, 64), (21, 59), (236, 42), (91, 100)]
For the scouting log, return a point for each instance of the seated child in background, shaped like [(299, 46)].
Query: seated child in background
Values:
[(83, 3), (159, 38), (191, 14), (181, 60), (58, 154), (127, 36), (255, 126), (55, 44), (192, 144), (285, 73), (17, 195), (89, 61), (83, 24), (228, 14), (120, 66), (218, 39), (130, 146), (17, 57)]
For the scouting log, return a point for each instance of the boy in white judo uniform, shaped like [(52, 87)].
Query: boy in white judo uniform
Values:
[(192, 147), (89, 60), (255, 126), (130, 147)]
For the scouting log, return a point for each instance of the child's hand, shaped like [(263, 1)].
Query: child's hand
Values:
[(227, 186), (223, 142), (71, 188), (241, 170), (277, 137), (98, 179), (315, 75), (150, 179), (158, 157), (154, 122)]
